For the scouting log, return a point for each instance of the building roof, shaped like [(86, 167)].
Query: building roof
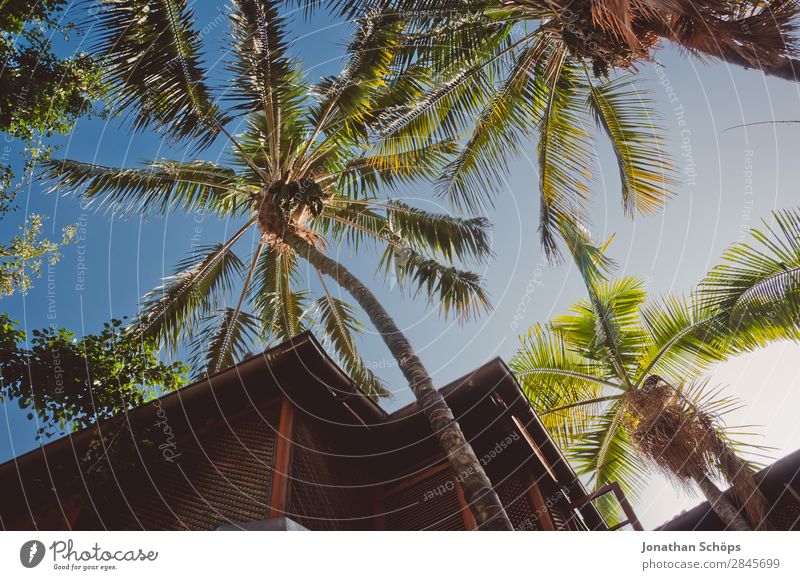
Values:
[(300, 370)]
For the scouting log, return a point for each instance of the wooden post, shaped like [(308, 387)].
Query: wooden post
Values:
[(281, 476), (466, 513), (542, 513)]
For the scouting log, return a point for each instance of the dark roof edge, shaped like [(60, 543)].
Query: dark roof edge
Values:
[(344, 391), (785, 469)]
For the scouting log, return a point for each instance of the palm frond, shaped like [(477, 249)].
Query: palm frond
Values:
[(758, 282), (442, 106), (345, 220), (470, 180), (389, 165), (605, 454), (606, 328), (624, 112), (278, 305), (174, 309), (452, 290), (347, 100), (222, 341), (163, 186), (554, 376), (266, 79), (441, 234), (589, 257), (153, 68), (685, 338), (564, 160), (339, 325)]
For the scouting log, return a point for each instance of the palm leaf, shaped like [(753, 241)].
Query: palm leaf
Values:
[(605, 454), (482, 164), (345, 220), (174, 309), (347, 100), (266, 80), (278, 305), (564, 161), (339, 325), (606, 328), (685, 338), (441, 234), (164, 186), (758, 282), (223, 341), (388, 165), (559, 382), (623, 111), (455, 291), (444, 105), (152, 62)]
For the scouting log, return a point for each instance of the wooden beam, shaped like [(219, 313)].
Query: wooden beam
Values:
[(421, 476), (534, 447), (627, 508), (380, 510), (466, 513), (281, 470), (539, 505)]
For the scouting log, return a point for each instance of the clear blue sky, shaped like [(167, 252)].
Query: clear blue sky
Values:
[(739, 176)]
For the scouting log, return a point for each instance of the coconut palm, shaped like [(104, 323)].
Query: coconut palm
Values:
[(301, 178), (505, 71), (750, 33), (510, 85), (620, 382)]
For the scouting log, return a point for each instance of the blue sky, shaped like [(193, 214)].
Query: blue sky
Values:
[(732, 180)]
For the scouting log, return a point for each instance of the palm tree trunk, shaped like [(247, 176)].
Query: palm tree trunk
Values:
[(722, 506), (787, 68), (481, 497)]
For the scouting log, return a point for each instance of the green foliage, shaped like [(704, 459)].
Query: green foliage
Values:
[(68, 383), (22, 256), (153, 68), (176, 307), (589, 371), (518, 81), (42, 94)]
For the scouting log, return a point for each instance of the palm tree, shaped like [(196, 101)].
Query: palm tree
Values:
[(621, 385), (512, 84), (503, 71), (302, 176), (750, 33)]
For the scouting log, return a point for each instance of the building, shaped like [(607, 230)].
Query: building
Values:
[(780, 484), (284, 440)]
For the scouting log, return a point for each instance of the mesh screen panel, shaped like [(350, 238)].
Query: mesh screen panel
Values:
[(514, 496), (408, 508), (321, 496), (222, 478)]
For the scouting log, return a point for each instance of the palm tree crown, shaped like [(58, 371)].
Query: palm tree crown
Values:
[(620, 382), (303, 164), (502, 72)]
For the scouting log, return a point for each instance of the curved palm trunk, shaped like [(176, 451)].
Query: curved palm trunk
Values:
[(786, 68), (481, 497), (726, 511), (745, 487)]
